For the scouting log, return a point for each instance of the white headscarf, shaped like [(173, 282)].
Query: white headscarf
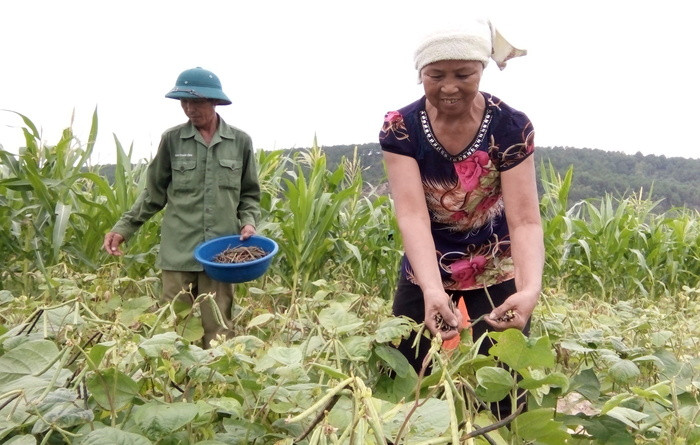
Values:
[(478, 40)]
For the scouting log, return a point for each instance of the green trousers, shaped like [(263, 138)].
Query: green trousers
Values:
[(186, 286)]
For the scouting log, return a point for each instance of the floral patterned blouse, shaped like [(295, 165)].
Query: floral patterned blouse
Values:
[(463, 191)]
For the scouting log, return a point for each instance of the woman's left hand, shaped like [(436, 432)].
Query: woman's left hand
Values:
[(514, 312)]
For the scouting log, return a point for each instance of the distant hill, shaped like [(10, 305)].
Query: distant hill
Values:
[(673, 181)]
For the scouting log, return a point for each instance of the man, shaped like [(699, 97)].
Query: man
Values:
[(205, 172)]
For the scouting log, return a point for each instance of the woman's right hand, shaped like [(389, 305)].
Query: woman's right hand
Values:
[(439, 306), (112, 242)]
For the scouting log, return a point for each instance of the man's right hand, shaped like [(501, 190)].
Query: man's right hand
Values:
[(112, 242)]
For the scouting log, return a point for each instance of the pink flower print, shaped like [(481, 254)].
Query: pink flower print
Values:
[(487, 203), (393, 123), (465, 272), (472, 169), (392, 116), (456, 216)]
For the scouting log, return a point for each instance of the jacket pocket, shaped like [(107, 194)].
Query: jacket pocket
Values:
[(230, 173), (184, 177)]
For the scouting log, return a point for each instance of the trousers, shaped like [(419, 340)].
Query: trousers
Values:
[(187, 286), (408, 301)]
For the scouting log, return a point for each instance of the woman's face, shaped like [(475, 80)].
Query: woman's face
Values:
[(452, 85)]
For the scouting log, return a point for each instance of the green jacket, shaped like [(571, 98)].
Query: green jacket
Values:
[(209, 191)]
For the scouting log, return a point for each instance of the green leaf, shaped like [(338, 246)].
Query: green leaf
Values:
[(158, 420), (614, 401), (227, 405), (519, 352), (587, 384), (430, 420), (111, 388), (627, 416), (26, 359), (260, 320), (358, 347), (331, 372), (133, 308), (338, 319), (96, 353), (672, 365), (608, 431), (25, 439), (556, 379), (6, 296), (583, 243), (660, 338), (158, 344), (241, 431), (63, 212), (286, 356), (114, 436), (494, 383), (392, 330), (538, 426), (624, 371), (355, 251), (658, 393), (191, 329), (58, 318), (649, 358), (395, 359), (205, 375), (575, 346), (59, 409)]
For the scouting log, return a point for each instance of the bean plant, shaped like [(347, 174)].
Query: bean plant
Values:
[(90, 355)]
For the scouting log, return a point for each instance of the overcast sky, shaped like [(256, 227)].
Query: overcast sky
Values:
[(615, 75)]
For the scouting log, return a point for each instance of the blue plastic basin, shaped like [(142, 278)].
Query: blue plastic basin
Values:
[(235, 272)]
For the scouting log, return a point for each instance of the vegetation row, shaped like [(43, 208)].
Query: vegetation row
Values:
[(88, 355)]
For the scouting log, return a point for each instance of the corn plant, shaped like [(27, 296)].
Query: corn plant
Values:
[(58, 207), (617, 248), (39, 188), (322, 222), (370, 235), (556, 223)]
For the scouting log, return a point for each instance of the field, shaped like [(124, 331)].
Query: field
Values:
[(88, 355)]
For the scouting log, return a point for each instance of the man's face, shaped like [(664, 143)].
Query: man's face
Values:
[(200, 111)]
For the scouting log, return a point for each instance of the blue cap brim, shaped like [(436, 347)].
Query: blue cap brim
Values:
[(198, 93)]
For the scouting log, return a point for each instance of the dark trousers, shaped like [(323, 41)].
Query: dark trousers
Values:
[(408, 301)]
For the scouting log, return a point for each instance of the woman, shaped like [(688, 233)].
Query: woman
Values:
[(459, 164)]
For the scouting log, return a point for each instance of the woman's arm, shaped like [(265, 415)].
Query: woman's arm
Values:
[(527, 245), (414, 223)]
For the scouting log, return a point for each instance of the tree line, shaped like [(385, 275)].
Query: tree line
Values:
[(672, 182)]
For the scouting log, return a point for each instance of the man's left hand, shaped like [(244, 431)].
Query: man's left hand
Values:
[(247, 231)]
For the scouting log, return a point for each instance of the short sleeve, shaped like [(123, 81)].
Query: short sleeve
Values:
[(514, 141), (394, 135)]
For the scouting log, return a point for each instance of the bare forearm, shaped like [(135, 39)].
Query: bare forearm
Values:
[(420, 250), (414, 223), (527, 248)]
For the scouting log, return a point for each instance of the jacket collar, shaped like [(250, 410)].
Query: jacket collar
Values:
[(224, 131)]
